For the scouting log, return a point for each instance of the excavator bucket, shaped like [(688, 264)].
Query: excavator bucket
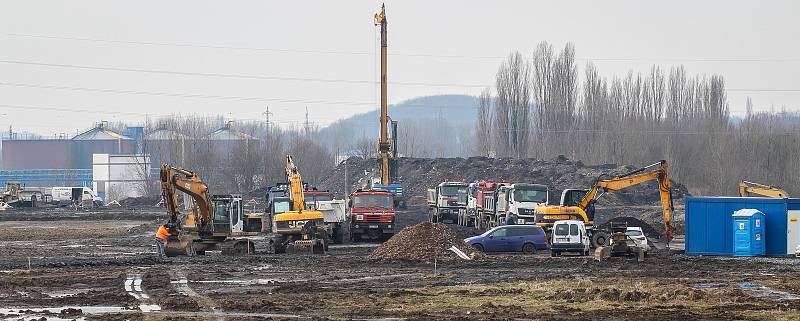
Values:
[(178, 246), (315, 246)]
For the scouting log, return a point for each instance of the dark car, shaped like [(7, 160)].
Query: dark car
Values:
[(510, 238)]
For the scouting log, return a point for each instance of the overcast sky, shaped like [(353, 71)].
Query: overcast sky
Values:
[(321, 54)]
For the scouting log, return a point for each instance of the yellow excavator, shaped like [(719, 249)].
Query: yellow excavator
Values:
[(576, 207), (751, 189), (300, 230), (212, 223)]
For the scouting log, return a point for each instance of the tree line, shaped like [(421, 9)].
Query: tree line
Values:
[(539, 108)]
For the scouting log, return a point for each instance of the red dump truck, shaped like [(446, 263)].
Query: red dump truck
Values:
[(372, 214), (485, 201)]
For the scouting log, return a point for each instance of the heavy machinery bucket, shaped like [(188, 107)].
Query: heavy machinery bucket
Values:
[(315, 246), (178, 245)]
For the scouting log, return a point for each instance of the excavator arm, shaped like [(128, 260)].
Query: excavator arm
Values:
[(634, 178), (295, 185), (175, 179), (751, 189)]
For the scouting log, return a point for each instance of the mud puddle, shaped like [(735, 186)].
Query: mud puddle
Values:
[(753, 289), (764, 292)]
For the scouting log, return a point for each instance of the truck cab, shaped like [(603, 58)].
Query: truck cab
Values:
[(569, 236), (516, 203), (467, 215), (397, 193), (372, 214), (446, 200), (312, 196)]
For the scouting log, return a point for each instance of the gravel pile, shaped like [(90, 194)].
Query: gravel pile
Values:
[(423, 242)]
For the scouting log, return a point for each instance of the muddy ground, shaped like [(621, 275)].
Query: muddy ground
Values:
[(99, 265)]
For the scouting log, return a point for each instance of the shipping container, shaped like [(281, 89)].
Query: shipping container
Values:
[(709, 220), (748, 233)]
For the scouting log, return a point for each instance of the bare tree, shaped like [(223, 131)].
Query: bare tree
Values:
[(483, 129), (366, 147), (512, 112)]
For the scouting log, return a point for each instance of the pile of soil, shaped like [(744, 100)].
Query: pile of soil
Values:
[(423, 242), (141, 201)]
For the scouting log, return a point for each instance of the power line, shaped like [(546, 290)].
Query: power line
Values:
[(216, 97), (225, 75), (123, 113), (416, 55)]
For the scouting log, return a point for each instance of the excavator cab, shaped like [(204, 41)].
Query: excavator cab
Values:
[(228, 214)]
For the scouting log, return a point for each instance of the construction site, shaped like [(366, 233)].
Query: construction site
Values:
[(543, 197)]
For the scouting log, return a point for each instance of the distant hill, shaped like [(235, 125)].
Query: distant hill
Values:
[(455, 109)]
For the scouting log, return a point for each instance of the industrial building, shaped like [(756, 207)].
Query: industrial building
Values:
[(117, 177), (63, 161)]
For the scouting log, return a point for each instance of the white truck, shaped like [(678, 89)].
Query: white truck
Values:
[(446, 200), (74, 194), (516, 203)]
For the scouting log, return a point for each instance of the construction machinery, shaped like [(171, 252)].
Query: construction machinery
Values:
[(446, 201), (387, 150), (17, 194), (214, 222), (12, 192), (751, 189), (516, 203), (484, 200), (583, 210), (298, 230), (372, 214)]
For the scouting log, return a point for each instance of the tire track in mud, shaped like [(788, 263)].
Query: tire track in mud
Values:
[(133, 286), (181, 283)]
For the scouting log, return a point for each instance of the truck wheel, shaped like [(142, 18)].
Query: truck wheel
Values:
[(553, 253), (528, 248)]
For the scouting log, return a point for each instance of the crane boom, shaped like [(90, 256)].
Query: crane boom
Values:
[(295, 185), (383, 145)]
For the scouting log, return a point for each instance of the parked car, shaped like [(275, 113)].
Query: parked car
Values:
[(569, 236), (510, 238), (637, 235)]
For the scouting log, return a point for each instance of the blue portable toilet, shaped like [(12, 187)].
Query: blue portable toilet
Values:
[(748, 233)]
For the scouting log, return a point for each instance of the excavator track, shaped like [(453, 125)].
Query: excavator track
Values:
[(238, 247)]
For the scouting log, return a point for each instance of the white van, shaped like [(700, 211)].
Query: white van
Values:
[(569, 236), (71, 194)]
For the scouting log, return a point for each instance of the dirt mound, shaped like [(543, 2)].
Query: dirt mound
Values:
[(147, 201), (424, 242), (649, 230)]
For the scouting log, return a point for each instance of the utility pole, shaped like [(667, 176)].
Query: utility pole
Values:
[(383, 144), (307, 125), (266, 114)]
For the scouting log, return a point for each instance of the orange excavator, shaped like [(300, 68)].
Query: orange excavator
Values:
[(214, 222), (578, 204)]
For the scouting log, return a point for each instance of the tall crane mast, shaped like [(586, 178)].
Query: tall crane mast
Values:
[(384, 146)]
